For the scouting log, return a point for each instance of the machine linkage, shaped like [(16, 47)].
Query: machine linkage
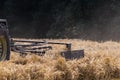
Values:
[(25, 46)]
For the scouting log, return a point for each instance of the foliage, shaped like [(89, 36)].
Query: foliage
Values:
[(55, 18)]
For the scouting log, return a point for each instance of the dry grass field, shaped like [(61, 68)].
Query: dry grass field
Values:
[(101, 62)]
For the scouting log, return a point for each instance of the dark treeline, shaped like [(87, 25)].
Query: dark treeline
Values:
[(85, 19)]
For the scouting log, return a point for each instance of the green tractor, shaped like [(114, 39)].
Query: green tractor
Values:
[(4, 41)]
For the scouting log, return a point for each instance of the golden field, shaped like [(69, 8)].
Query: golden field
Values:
[(101, 62)]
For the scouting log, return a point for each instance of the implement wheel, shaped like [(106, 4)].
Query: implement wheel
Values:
[(4, 47)]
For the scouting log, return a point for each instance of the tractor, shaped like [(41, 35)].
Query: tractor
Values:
[(24, 46)]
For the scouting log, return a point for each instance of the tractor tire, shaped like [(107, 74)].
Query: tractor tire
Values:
[(4, 47)]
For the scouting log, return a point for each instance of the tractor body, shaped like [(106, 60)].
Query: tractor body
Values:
[(4, 41)]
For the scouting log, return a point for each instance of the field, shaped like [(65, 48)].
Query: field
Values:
[(101, 62)]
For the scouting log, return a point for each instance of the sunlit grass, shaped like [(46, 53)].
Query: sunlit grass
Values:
[(101, 62)]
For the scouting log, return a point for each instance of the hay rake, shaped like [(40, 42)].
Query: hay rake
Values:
[(25, 46)]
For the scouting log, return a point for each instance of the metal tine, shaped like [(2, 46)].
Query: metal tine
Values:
[(27, 45), (29, 41), (33, 43), (41, 47)]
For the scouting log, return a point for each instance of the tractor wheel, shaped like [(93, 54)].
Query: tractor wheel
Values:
[(4, 47)]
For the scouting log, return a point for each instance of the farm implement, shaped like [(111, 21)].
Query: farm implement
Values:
[(26, 46)]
